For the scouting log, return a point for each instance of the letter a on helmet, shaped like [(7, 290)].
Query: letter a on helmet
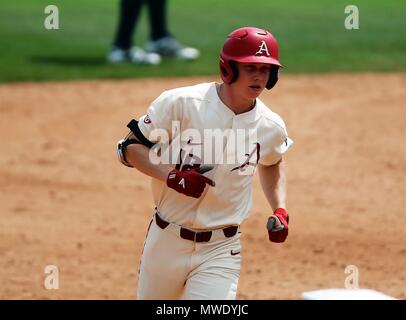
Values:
[(263, 49)]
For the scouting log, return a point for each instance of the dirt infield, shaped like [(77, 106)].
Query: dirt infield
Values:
[(65, 200)]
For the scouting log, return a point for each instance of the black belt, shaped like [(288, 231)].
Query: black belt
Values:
[(202, 236)]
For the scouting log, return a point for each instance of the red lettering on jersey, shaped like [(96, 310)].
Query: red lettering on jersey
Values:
[(147, 120), (247, 162)]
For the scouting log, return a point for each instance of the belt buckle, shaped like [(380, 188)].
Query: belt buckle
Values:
[(205, 236), (202, 236)]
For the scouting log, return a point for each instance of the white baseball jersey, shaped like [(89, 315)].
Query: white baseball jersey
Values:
[(258, 135)]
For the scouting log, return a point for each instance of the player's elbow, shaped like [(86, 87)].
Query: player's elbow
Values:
[(122, 148)]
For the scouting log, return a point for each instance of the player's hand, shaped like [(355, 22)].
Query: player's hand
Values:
[(278, 225), (189, 182)]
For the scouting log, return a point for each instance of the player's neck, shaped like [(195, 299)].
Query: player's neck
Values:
[(234, 102)]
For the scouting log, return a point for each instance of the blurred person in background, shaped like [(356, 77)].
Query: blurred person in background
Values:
[(161, 44)]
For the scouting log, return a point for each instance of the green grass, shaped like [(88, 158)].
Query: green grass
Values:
[(311, 36)]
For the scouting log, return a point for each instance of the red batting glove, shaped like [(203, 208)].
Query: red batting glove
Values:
[(189, 182), (278, 225)]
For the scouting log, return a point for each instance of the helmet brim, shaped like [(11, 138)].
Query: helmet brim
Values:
[(259, 59)]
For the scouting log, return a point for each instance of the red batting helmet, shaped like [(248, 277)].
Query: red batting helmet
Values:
[(249, 45)]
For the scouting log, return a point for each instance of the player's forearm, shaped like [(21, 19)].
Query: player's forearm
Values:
[(273, 182), (138, 156)]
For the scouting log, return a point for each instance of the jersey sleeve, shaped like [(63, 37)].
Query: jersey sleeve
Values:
[(277, 145), (161, 117)]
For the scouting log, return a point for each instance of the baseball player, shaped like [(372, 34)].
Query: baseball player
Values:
[(202, 189)]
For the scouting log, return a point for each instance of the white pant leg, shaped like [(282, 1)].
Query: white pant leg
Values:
[(164, 266), (216, 271), (209, 286)]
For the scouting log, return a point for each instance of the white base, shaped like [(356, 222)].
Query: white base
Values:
[(345, 294)]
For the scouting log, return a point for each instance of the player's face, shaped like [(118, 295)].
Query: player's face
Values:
[(252, 78)]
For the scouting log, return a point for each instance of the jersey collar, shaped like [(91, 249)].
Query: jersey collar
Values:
[(227, 114)]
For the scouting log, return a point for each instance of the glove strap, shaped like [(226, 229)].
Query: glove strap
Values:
[(283, 213)]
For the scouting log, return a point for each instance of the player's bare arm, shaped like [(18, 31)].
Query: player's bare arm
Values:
[(273, 182), (138, 156)]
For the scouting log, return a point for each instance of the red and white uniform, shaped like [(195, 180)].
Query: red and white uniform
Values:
[(195, 268)]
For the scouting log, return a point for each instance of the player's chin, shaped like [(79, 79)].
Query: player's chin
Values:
[(254, 91)]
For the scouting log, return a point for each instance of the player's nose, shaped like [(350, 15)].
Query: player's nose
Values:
[(260, 76)]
